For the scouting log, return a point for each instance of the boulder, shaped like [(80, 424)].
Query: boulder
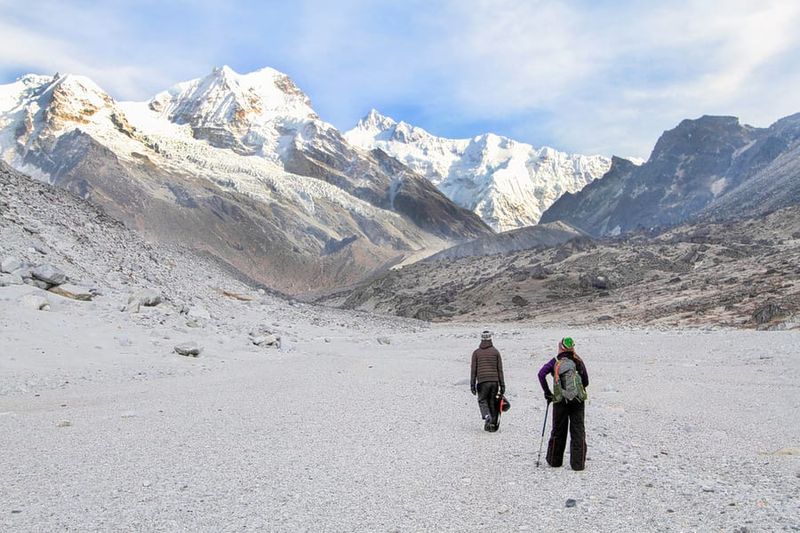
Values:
[(263, 337), (68, 290), (10, 279), (10, 264), (35, 302), (384, 340), (519, 301), (147, 297), (594, 281), (766, 313), (49, 274), (188, 349), (198, 311), (23, 272), (39, 284), (144, 297), (538, 272)]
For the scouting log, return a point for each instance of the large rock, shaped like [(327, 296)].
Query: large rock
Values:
[(49, 274), (261, 336), (9, 279), (74, 292), (144, 297), (188, 349), (198, 311), (147, 297), (10, 264), (39, 284), (766, 313)]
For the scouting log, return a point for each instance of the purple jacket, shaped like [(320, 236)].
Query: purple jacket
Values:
[(550, 366)]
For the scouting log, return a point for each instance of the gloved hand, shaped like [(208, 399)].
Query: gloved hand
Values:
[(474, 391), (502, 389), (548, 396)]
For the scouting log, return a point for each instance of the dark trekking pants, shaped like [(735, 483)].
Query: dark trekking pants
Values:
[(487, 393), (567, 415)]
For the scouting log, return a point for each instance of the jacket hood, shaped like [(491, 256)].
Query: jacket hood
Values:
[(486, 344)]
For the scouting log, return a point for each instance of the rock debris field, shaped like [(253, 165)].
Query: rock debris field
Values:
[(283, 416)]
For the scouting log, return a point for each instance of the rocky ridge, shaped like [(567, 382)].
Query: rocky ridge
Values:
[(711, 168), (740, 274)]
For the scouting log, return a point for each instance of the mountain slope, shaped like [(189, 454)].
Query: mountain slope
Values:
[(527, 238), (712, 166), (236, 165), (736, 274), (508, 183)]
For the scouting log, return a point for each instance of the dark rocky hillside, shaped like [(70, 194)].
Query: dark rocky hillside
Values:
[(739, 274)]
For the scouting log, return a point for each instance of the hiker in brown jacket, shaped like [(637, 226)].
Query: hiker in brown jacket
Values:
[(487, 380)]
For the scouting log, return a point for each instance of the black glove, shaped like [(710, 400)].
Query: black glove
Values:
[(474, 391), (548, 396), (502, 389)]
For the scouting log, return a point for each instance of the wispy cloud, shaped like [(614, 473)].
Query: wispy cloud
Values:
[(584, 75)]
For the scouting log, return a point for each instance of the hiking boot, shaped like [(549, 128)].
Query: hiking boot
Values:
[(487, 424)]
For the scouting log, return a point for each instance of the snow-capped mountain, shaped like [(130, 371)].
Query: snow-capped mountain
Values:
[(509, 184), (237, 165)]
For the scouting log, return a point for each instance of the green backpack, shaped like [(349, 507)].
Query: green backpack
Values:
[(567, 382)]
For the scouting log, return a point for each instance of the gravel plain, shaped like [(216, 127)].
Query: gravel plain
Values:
[(335, 431)]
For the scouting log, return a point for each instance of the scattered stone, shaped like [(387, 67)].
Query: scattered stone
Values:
[(64, 424), (327, 340), (49, 274), (74, 292), (605, 318), (571, 503), (188, 349), (36, 302), (384, 340)]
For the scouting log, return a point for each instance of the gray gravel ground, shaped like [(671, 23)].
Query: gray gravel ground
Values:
[(353, 435)]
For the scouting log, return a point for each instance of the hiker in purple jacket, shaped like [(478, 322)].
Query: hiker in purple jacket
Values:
[(570, 380)]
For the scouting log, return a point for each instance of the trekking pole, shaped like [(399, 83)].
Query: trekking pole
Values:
[(542, 441)]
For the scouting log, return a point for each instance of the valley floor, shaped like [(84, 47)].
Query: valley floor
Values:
[(104, 428)]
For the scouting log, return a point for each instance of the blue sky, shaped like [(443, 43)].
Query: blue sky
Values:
[(591, 76)]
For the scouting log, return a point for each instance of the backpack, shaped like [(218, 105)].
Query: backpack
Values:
[(567, 382)]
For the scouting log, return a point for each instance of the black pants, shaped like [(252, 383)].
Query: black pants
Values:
[(487, 399), (567, 415)]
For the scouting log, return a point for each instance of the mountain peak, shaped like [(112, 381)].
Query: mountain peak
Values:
[(376, 121), (226, 98)]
